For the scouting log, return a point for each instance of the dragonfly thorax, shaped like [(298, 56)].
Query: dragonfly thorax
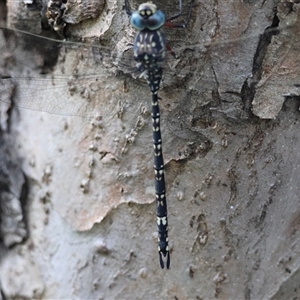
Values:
[(149, 49)]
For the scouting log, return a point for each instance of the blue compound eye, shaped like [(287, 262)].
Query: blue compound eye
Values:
[(137, 21), (156, 21)]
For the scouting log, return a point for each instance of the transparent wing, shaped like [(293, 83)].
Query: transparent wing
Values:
[(67, 77), (50, 75)]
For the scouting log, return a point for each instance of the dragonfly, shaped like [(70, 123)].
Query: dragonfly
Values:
[(62, 89), (149, 52)]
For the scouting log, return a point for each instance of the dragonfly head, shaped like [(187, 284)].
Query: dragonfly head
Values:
[(148, 17)]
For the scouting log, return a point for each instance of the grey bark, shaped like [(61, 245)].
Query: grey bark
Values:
[(81, 134)]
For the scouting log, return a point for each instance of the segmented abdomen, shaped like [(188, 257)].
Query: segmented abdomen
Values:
[(160, 187), (149, 52)]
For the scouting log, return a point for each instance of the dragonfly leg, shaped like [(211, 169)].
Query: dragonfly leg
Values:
[(178, 14), (127, 8)]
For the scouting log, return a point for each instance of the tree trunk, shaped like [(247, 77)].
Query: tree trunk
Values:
[(75, 120)]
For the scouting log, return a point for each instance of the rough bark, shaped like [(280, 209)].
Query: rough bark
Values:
[(80, 128)]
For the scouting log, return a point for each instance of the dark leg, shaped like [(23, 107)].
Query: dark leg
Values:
[(184, 23), (127, 8), (177, 14)]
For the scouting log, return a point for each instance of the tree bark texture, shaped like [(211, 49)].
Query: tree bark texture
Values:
[(77, 200)]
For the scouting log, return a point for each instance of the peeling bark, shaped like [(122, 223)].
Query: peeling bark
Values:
[(79, 119)]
